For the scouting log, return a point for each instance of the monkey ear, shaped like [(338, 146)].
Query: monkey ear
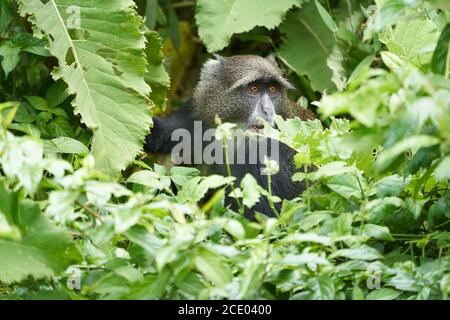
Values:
[(271, 58), (219, 58), (212, 67)]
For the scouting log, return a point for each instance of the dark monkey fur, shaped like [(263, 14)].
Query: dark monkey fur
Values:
[(223, 91)]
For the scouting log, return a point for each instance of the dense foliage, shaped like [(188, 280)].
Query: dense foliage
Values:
[(79, 80)]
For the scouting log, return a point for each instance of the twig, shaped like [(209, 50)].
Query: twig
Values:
[(89, 210)]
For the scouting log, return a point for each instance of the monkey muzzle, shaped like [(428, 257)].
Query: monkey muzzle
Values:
[(264, 109)]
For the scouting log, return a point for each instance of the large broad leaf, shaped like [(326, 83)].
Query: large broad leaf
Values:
[(308, 45), (442, 53), (218, 20), (6, 14), (38, 249), (99, 48), (413, 40)]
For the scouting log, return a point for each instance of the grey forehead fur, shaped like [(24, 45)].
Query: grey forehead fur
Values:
[(238, 71)]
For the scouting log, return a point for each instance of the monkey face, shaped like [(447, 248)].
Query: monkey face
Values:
[(263, 99), (241, 89)]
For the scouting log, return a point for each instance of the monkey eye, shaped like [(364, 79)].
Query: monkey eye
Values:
[(273, 88), (254, 89)]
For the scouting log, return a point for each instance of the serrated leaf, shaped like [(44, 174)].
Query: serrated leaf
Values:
[(104, 71), (413, 40), (217, 21)]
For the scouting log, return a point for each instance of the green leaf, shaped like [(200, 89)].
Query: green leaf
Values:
[(148, 178), (312, 220), (380, 209), (326, 17), (42, 251), (363, 252), (69, 145), (334, 169), (6, 14), (56, 93), (20, 261), (103, 70), (413, 40), (440, 4), (441, 56), (7, 230), (251, 279), (250, 191), (156, 75), (217, 21), (307, 237), (322, 287), (196, 188), (212, 266), (306, 33), (442, 171), (387, 13), (181, 175), (377, 232), (383, 294), (414, 142), (345, 185), (390, 186), (153, 286), (361, 73), (10, 53), (298, 260), (150, 13), (336, 63), (392, 61), (343, 225), (38, 103), (28, 43), (440, 211)]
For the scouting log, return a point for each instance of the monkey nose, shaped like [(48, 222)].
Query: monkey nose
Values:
[(267, 108)]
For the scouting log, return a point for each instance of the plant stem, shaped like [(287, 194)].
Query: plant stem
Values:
[(269, 189), (305, 168), (89, 210), (227, 162), (447, 63), (360, 187)]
